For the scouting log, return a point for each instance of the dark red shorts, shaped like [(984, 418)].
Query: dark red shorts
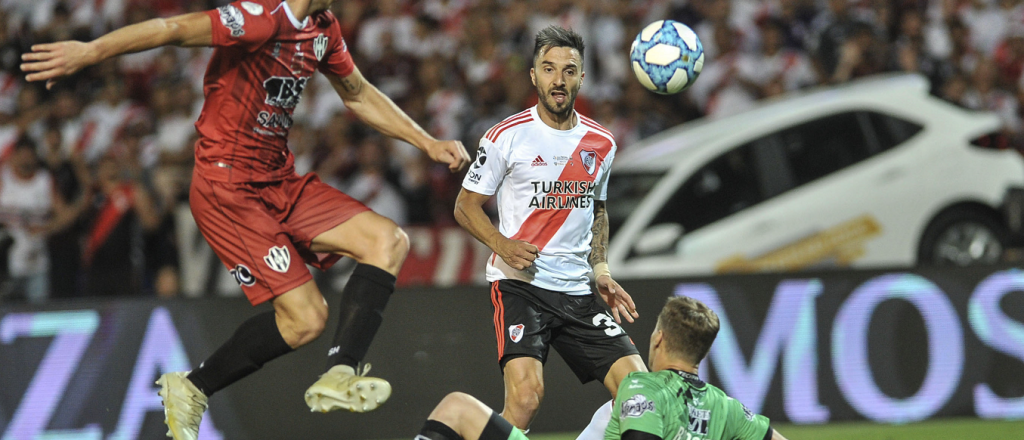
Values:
[(262, 231)]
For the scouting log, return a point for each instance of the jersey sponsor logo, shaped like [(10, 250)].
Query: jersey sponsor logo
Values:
[(232, 18), (274, 120), (475, 177), (320, 46), (559, 194), (516, 332), (252, 8), (284, 92), (278, 259), (561, 160), (243, 276), (539, 162), (589, 159), (481, 158), (699, 419), (636, 406), (748, 413)]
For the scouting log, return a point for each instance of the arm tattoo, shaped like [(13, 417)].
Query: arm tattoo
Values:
[(351, 87), (599, 242)]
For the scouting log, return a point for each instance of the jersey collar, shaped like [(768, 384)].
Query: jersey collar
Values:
[(569, 132), (291, 17), (689, 377)]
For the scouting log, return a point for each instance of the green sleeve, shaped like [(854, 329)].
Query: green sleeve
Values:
[(639, 406), (516, 434), (742, 423)]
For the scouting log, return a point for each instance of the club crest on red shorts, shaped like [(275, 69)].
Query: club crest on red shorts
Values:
[(516, 332)]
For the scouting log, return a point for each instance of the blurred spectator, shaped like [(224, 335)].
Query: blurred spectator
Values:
[(390, 19), (123, 211), (721, 91), (370, 183), (30, 208), (776, 69), (983, 94)]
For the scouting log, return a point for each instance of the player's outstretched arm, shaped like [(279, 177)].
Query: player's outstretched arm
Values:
[(469, 213), (617, 298), (51, 61), (378, 111)]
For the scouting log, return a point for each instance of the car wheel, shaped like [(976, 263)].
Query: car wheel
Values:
[(963, 237)]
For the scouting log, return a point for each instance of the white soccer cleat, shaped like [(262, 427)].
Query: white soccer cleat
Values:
[(342, 388), (184, 405)]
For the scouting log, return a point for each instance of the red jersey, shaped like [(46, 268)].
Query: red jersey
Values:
[(264, 56)]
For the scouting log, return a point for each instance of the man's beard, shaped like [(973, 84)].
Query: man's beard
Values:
[(569, 102)]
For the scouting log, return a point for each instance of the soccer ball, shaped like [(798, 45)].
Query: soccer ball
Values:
[(667, 57)]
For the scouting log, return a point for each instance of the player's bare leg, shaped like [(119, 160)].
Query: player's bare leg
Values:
[(524, 390), (618, 371), (460, 415), (379, 246), (298, 318)]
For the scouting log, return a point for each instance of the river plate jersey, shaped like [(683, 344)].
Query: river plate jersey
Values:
[(264, 56), (546, 181), (676, 405)]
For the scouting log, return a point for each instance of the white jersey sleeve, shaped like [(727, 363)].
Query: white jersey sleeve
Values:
[(488, 170), (601, 192)]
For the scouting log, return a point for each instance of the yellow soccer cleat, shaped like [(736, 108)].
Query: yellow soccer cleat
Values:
[(184, 405), (342, 388)]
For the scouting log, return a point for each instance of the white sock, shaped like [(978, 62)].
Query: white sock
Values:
[(598, 424)]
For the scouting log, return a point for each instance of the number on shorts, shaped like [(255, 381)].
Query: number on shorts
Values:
[(611, 328)]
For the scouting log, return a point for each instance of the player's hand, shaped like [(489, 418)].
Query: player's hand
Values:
[(617, 298), (49, 62), (449, 152), (518, 254)]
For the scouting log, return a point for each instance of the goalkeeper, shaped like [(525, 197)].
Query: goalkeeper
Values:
[(670, 402)]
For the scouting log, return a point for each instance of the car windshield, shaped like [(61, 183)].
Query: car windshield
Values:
[(625, 192)]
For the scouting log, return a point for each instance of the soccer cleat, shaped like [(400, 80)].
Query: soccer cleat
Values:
[(184, 405), (342, 387)]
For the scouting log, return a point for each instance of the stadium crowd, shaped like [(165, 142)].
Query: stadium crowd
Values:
[(93, 170)]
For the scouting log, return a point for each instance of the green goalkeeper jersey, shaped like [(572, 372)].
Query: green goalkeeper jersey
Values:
[(676, 405)]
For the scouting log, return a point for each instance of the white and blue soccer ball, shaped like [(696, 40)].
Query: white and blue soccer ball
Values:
[(667, 56)]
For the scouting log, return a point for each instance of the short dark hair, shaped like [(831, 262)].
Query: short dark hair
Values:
[(556, 36), (689, 327)]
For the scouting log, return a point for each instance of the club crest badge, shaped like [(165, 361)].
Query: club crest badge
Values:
[(516, 332), (589, 159), (278, 259), (320, 46)]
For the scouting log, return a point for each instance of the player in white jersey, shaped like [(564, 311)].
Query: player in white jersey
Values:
[(549, 168)]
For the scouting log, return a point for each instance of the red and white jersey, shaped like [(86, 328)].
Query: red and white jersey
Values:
[(546, 181), (264, 56)]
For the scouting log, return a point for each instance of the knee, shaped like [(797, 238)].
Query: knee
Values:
[(527, 394), (391, 244), (452, 408), (304, 325)]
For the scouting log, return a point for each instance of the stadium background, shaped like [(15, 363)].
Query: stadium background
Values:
[(117, 141)]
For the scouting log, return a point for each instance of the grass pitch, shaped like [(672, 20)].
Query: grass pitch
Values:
[(973, 429)]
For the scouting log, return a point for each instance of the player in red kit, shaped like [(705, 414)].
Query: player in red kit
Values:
[(263, 220)]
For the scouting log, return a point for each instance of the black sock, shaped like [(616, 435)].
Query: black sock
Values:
[(361, 312), (256, 342), (497, 428), (434, 430)]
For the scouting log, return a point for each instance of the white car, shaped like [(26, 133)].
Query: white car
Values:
[(875, 173)]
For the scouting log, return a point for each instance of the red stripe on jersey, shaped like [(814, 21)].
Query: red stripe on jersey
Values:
[(516, 117), (542, 224), (502, 130), (503, 121), (593, 124)]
